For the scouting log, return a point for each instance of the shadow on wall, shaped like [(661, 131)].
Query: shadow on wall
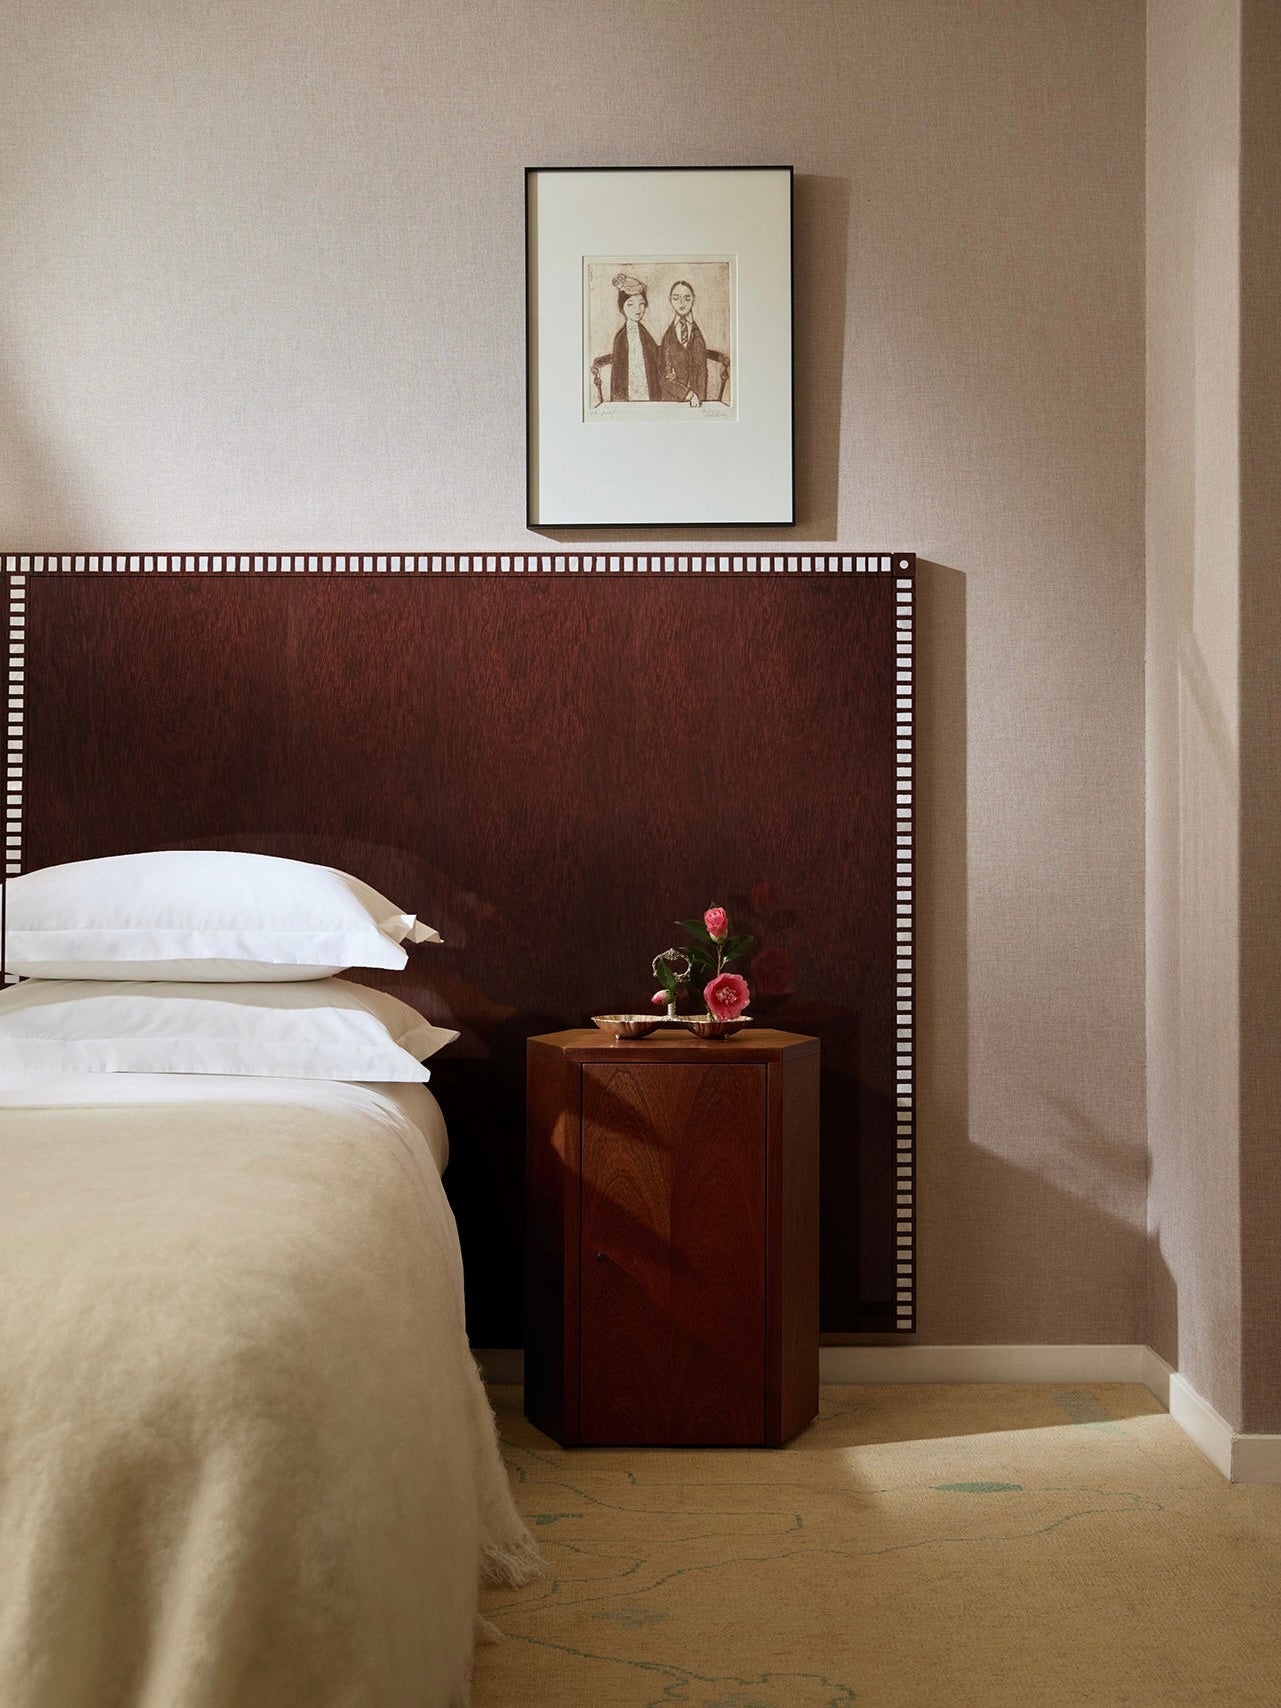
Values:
[(981, 1274), (40, 506), (820, 268), (1163, 1305)]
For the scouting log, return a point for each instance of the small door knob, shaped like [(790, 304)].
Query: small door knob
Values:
[(600, 1257)]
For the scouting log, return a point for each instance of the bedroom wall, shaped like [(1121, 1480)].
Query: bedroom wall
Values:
[(1260, 714), (1193, 547), (1214, 713), (262, 286)]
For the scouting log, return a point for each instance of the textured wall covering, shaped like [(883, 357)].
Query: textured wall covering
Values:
[(262, 286), (1193, 751), (1260, 714), (1214, 715)]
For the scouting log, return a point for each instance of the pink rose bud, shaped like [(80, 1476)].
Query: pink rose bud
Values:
[(717, 922), (726, 997), (659, 999)]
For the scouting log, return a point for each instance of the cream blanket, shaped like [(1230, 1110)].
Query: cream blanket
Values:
[(246, 1460)]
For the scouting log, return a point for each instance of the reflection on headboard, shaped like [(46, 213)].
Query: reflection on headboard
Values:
[(551, 759)]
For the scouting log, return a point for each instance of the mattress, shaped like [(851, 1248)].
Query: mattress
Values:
[(246, 1460)]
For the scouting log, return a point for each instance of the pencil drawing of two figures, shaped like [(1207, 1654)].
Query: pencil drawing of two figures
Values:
[(678, 368)]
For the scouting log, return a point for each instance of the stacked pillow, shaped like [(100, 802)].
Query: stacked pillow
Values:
[(207, 962)]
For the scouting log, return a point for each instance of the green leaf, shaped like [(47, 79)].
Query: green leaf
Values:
[(667, 977), (739, 946), (699, 957), (696, 929)]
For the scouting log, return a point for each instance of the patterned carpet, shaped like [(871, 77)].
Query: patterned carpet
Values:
[(917, 1547)]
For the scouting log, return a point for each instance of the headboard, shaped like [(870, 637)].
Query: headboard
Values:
[(549, 758)]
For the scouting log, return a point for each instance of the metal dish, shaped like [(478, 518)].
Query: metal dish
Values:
[(707, 1026), (628, 1025)]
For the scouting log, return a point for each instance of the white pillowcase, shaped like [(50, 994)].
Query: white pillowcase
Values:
[(206, 915), (319, 1029)]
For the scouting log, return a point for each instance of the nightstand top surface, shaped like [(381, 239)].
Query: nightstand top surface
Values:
[(672, 1044)]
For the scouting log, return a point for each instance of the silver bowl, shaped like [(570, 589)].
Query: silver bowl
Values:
[(708, 1026), (628, 1025)]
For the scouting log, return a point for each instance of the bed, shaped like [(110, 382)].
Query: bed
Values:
[(475, 735), (535, 752), (246, 1457)]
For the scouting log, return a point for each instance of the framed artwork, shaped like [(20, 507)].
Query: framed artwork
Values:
[(659, 346)]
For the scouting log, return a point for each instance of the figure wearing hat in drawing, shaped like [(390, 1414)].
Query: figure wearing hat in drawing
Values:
[(633, 371), (683, 351)]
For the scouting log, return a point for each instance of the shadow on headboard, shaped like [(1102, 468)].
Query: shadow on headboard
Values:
[(550, 764)]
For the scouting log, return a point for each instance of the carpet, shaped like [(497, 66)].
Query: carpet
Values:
[(1021, 1546)]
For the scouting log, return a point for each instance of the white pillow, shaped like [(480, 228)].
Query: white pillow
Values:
[(208, 914), (318, 1029)]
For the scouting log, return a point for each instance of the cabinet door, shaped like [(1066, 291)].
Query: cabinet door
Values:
[(672, 1345)]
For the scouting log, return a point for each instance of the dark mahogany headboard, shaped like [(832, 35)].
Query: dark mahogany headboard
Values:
[(550, 759)]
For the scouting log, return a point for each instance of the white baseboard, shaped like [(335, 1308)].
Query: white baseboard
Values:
[(1155, 1375), (914, 1363), (1240, 1458), (1198, 1419), (840, 1365)]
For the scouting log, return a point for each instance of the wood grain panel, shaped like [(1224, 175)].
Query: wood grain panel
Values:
[(157, 713), (672, 1338), (551, 769), (791, 1348), (552, 1198)]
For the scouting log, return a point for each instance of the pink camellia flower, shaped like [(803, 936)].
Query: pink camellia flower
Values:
[(771, 970), (726, 996), (659, 999), (717, 922)]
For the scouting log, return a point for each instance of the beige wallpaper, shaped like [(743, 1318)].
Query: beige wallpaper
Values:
[(263, 286), (1214, 712), (1260, 714), (1193, 524)]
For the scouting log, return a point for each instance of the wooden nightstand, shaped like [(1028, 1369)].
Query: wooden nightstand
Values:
[(672, 1238)]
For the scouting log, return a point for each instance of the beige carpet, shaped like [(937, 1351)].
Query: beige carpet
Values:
[(965, 1547)]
